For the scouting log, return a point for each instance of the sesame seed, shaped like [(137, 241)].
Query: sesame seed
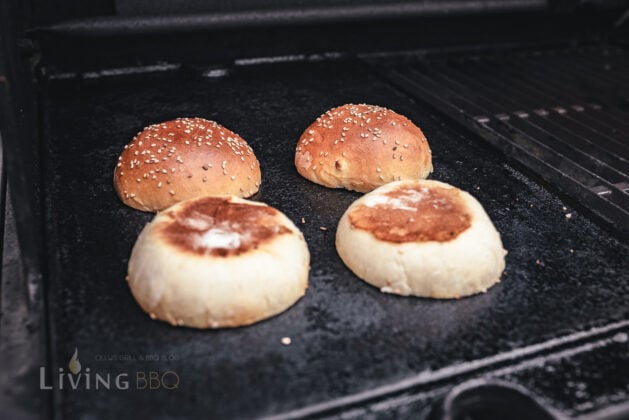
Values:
[(171, 192), (286, 341), (323, 228), (233, 177), (159, 185)]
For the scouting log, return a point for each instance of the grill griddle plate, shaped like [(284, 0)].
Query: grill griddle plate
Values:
[(563, 275)]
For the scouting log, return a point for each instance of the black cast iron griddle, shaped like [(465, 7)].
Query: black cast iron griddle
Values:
[(562, 276)]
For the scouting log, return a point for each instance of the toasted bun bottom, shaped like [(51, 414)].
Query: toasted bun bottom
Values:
[(212, 291), (468, 264)]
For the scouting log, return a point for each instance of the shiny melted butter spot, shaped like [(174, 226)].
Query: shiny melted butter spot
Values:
[(413, 214), (216, 226), (407, 200), (217, 238), (198, 222)]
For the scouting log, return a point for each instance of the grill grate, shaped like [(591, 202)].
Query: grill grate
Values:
[(564, 114)]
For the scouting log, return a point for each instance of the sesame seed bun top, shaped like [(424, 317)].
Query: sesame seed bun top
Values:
[(184, 158), (360, 147)]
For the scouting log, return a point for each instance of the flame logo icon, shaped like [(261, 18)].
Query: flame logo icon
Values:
[(75, 365)]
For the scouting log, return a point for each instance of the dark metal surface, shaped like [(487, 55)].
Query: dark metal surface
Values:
[(374, 7), (564, 114), (22, 306), (564, 275), (222, 16)]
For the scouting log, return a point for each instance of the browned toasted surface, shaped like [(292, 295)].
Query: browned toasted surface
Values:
[(216, 226), (184, 158), (360, 147), (413, 214)]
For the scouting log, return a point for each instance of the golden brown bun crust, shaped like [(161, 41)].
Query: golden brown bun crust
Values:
[(181, 159), (360, 147), (417, 212)]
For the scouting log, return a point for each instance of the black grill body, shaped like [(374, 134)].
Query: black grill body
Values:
[(532, 122)]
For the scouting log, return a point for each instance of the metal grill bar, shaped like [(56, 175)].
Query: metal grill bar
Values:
[(558, 112), (559, 127), (589, 114)]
